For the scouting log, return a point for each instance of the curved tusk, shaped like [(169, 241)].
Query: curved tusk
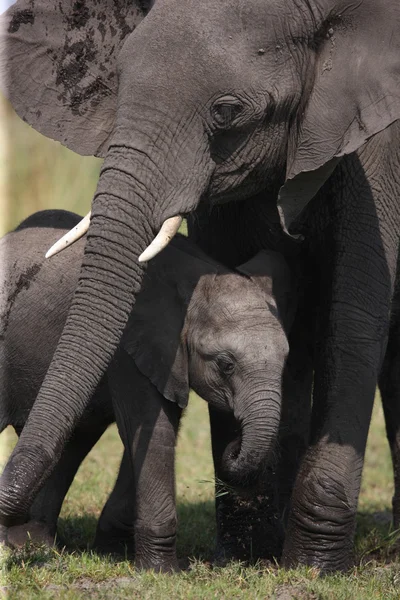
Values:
[(168, 229), (74, 234)]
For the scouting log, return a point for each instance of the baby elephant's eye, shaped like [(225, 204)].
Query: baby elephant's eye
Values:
[(225, 110), (226, 366)]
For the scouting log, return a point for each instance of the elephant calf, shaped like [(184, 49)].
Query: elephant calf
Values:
[(195, 324)]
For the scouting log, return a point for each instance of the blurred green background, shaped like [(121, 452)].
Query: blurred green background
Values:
[(38, 173)]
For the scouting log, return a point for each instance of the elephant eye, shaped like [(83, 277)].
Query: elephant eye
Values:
[(225, 365), (225, 110)]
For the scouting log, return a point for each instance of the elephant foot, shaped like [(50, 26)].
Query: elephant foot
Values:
[(31, 532), (320, 536), (156, 548), (323, 559), (158, 565), (149, 549), (247, 531)]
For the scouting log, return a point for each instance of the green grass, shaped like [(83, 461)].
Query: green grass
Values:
[(76, 572), (42, 174)]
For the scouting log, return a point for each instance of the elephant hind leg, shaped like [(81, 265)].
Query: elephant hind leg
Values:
[(389, 385)]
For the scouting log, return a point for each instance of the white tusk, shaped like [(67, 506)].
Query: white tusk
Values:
[(74, 234), (168, 229)]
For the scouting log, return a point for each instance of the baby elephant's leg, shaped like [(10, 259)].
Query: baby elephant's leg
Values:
[(148, 425)]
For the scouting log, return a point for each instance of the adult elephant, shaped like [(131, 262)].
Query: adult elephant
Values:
[(219, 101)]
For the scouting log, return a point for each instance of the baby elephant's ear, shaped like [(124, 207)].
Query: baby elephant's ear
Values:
[(58, 65), (155, 336), (270, 272)]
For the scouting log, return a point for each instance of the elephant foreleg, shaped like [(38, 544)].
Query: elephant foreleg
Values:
[(389, 384), (357, 255)]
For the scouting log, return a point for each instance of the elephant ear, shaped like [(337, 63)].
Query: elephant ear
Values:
[(355, 94), (58, 65), (155, 335), (270, 272)]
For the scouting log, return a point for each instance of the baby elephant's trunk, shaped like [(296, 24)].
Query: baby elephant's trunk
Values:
[(245, 459)]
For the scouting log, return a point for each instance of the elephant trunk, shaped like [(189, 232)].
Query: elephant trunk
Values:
[(245, 458), (126, 213)]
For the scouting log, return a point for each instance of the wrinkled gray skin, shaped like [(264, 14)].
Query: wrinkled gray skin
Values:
[(194, 324), (389, 385), (200, 103)]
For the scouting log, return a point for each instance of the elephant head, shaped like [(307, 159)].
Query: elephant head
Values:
[(198, 325), (187, 101)]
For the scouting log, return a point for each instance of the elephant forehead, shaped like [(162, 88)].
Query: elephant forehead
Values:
[(233, 41), (256, 340), (232, 301), (232, 16), (236, 292)]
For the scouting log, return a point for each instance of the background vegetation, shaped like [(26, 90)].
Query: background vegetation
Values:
[(43, 174), (38, 173)]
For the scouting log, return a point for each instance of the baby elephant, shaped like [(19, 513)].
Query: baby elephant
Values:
[(195, 324)]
